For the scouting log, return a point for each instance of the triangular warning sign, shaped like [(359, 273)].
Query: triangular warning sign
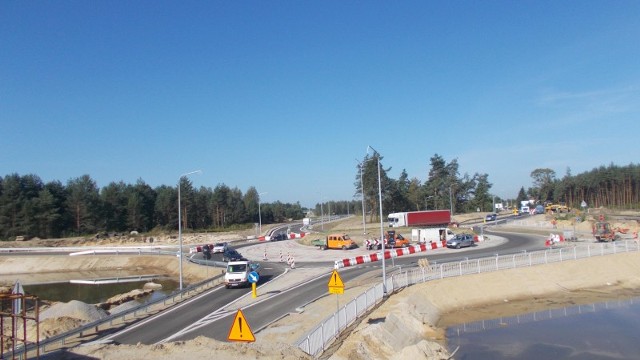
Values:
[(240, 330), (335, 280)]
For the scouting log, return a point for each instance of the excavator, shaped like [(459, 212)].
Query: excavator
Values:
[(603, 232)]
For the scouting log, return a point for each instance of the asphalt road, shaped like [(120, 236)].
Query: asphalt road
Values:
[(203, 315)]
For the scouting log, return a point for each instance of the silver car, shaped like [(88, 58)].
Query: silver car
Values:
[(460, 240)]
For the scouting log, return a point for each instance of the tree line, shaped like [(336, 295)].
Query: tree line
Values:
[(31, 208), (611, 186), (444, 188)]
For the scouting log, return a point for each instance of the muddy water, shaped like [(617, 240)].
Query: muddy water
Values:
[(605, 330), (93, 294)]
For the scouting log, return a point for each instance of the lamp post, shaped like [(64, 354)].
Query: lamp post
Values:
[(450, 201), (384, 272), (493, 208), (180, 221), (364, 224), (259, 215), (321, 216)]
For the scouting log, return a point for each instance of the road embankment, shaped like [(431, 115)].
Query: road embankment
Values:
[(424, 311), (56, 268)]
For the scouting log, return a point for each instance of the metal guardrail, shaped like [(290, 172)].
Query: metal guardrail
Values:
[(318, 339), (93, 329), (154, 249)]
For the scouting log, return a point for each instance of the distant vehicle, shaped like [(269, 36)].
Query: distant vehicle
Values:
[(460, 240), (491, 217), (219, 247), (206, 252), (279, 237), (556, 208), (237, 273), (603, 232), (524, 210), (539, 209), (393, 240), (336, 241), (431, 234), (420, 218), (232, 255)]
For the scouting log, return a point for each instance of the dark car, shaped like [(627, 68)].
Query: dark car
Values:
[(491, 217), (232, 255), (460, 240), (279, 237)]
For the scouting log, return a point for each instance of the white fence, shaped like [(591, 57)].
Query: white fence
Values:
[(324, 334)]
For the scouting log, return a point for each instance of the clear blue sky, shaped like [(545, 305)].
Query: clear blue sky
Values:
[(286, 95)]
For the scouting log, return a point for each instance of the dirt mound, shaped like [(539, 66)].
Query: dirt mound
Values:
[(198, 348), (74, 309)]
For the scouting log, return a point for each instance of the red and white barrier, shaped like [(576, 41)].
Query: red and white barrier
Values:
[(290, 236), (553, 239), (198, 249), (388, 254)]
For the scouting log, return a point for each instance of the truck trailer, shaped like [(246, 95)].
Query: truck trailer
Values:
[(420, 218)]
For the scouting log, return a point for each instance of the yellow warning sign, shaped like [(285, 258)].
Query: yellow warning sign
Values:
[(336, 286), (240, 330)]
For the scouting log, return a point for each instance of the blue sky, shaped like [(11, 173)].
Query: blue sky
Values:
[(286, 95)]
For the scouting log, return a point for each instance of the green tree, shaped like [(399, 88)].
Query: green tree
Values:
[(522, 196), (83, 202), (543, 184), (482, 198), (165, 207), (141, 200), (374, 190), (114, 201)]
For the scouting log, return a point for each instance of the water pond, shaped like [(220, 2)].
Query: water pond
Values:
[(606, 330), (93, 294)]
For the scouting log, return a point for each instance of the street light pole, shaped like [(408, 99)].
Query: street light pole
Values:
[(180, 221), (259, 215), (321, 216), (450, 201), (384, 271), (364, 224)]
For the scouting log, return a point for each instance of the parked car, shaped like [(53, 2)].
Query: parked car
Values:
[(491, 217), (220, 247), (232, 255), (460, 240)]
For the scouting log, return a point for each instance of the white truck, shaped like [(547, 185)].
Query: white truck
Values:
[(237, 273), (432, 234)]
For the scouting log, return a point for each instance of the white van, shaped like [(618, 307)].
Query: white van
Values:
[(524, 210), (237, 273)]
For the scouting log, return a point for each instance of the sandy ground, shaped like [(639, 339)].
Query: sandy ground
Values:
[(408, 324)]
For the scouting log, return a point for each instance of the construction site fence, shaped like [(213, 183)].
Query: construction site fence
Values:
[(323, 335)]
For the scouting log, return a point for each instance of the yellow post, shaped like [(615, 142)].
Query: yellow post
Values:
[(254, 293)]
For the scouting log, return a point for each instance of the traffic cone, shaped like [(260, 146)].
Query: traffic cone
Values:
[(281, 259), (293, 263)]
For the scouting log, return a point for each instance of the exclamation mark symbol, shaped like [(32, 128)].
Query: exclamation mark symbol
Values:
[(240, 324), (334, 279)]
